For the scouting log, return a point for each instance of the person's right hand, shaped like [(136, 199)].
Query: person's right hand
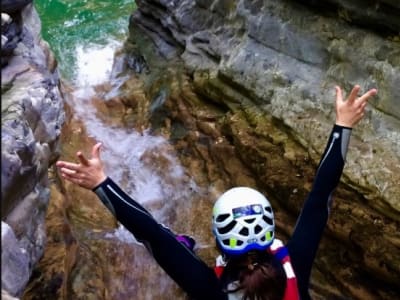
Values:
[(351, 111), (88, 173)]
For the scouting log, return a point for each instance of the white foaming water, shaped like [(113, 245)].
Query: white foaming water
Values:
[(94, 63), (73, 22), (130, 154), (132, 159)]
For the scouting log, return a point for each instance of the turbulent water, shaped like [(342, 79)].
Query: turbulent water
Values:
[(94, 259), (84, 34)]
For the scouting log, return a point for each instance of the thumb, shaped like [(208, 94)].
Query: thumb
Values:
[(82, 158), (96, 150)]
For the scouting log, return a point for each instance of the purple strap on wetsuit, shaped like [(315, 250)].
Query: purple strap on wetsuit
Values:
[(188, 241)]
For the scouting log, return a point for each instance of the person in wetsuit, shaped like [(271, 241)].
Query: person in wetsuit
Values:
[(253, 263)]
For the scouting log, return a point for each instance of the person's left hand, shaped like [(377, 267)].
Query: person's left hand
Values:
[(88, 173)]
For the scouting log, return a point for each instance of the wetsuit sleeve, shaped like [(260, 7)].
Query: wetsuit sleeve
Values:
[(186, 269), (313, 218)]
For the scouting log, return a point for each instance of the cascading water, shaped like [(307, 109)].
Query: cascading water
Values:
[(88, 258), (131, 158), (92, 61), (74, 27)]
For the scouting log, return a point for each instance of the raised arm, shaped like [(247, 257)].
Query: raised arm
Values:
[(188, 271), (312, 220)]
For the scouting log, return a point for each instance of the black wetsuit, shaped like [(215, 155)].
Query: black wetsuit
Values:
[(199, 280)]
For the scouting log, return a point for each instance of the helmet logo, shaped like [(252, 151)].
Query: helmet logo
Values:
[(250, 241), (248, 210)]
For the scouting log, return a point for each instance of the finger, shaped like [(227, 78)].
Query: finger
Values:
[(96, 150), (72, 179), (353, 93), (82, 159), (339, 95), (60, 163), (67, 171), (67, 177), (68, 165), (367, 95), (363, 105)]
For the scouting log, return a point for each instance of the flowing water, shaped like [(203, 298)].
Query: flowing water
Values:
[(84, 35), (88, 258)]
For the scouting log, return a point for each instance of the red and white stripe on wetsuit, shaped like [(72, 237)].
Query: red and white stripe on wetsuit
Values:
[(279, 250)]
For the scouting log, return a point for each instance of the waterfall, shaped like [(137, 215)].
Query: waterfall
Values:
[(146, 166)]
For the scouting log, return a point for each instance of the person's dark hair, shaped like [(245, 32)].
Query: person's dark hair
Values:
[(259, 274)]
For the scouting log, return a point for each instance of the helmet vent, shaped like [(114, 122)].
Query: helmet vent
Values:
[(250, 220), (267, 220), (227, 228), (244, 231), (268, 209), (257, 229), (222, 217), (226, 242)]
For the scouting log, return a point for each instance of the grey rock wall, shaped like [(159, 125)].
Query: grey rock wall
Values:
[(280, 60), (32, 117), (289, 57)]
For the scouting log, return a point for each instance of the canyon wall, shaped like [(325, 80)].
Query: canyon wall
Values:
[(32, 115), (269, 68)]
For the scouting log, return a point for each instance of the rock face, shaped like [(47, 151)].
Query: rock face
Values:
[(269, 68), (286, 60), (32, 116), (244, 92)]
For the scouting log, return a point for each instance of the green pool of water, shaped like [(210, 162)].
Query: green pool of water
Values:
[(76, 27)]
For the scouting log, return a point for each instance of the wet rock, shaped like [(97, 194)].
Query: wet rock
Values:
[(10, 36), (243, 91), (269, 69), (15, 262), (13, 6), (32, 116), (380, 16)]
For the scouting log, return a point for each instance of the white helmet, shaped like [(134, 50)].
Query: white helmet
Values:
[(243, 220)]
